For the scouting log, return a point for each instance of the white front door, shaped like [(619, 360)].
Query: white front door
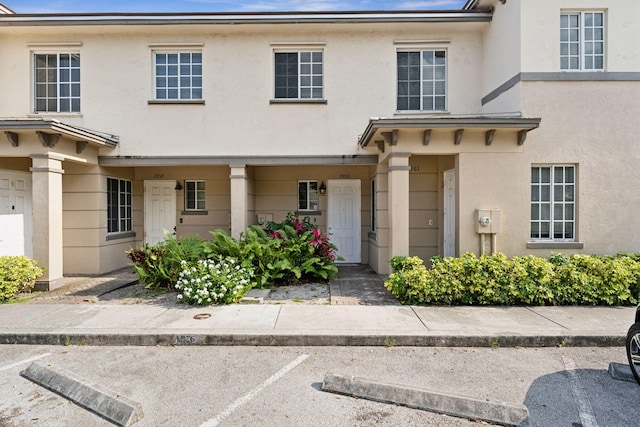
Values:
[(159, 210), (16, 221), (343, 219), (449, 243)]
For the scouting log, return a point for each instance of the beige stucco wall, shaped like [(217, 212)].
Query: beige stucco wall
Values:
[(237, 118)]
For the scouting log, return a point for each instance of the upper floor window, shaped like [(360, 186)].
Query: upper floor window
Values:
[(308, 195), (119, 205), (57, 82), (582, 41), (178, 75), (553, 202), (422, 80), (299, 75), (194, 196)]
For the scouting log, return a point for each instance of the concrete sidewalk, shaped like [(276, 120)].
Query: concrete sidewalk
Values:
[(100, 311), (313, 325)]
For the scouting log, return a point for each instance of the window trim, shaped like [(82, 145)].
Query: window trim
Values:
[(551, 241), (196, 199), (421, 50), (299, 99), (309, 201), (127, 207), (582, 41), (177, 50), (63, 50)]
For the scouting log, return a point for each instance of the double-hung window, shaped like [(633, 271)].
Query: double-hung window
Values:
[(582, 41), (299, 75), (57, 82), (308, 195), (119, 205), (422, 80), (553, 202), (178, 75), (194, 196)]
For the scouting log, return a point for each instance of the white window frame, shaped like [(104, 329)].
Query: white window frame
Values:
[(583, 39), (186, 83), (57, 79), (426, 83), (560, 201), (199, 195), (123, 206), (311, 203), (310, 74)]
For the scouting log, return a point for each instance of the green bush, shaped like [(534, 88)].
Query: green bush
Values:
[(289, 252), (17, 274), (529, 280), (213, 281), (159, 265)]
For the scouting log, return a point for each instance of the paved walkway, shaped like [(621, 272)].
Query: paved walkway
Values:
[(79, 314)]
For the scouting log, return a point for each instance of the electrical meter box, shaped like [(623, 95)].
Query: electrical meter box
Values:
[(487, 221)]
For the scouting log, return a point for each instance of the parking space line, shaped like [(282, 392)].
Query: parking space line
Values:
[(253, 393), (22, 362), (585, 411)]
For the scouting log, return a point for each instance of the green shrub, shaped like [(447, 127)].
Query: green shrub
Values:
[(17, 274), (494, 279), (159, 265), (213, 281)]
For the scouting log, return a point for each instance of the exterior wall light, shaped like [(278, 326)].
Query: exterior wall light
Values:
[(178, 186), (323, 189)]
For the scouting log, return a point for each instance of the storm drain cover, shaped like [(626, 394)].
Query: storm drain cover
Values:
[(201, 316)]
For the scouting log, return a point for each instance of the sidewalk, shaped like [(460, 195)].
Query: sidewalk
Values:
[(372, 319)]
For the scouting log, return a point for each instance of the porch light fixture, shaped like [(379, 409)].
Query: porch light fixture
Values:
[(323, 189), (178, 186)]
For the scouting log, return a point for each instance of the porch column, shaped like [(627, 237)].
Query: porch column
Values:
[(398, 177), (239, 200), (46, 175)]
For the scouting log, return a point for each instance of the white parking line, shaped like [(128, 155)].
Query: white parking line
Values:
[(585, 411), (22, 362), (253, 393)]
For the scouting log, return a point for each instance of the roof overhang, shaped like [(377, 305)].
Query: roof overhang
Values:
[(246, 18), (50, 130), (388, 128)]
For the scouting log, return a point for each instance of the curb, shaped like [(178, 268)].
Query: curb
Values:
[(443, 403), (109, 405), (311, 340)]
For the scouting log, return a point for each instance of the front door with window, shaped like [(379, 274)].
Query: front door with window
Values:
[(16, 222), (343, 220), (159, 210)]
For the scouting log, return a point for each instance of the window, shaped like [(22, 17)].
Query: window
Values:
[(178, 76), (299, 75), (582, 41), (308, 195), (118, 205), (553, 203), (57, 81), (422, 80), (194, 196)]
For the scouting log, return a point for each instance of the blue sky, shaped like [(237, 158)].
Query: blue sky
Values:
[(61, 6)]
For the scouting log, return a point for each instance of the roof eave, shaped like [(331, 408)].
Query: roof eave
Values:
[(71, 132)]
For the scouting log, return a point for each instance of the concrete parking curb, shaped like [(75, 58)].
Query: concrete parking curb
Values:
[(622, 372), (450, 404), (374, 340), (109, 405)]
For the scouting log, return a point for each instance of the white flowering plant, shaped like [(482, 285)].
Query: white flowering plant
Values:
[(220, 280)]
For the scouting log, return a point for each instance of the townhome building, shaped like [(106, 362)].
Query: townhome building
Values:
[(508, 125)]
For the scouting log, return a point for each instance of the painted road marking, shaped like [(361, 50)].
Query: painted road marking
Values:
[(253, 393), (22, 362), (587, 417)]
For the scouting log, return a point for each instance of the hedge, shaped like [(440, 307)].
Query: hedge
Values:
[(527, 280)]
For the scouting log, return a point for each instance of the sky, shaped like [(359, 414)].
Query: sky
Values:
[(72, 6)]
